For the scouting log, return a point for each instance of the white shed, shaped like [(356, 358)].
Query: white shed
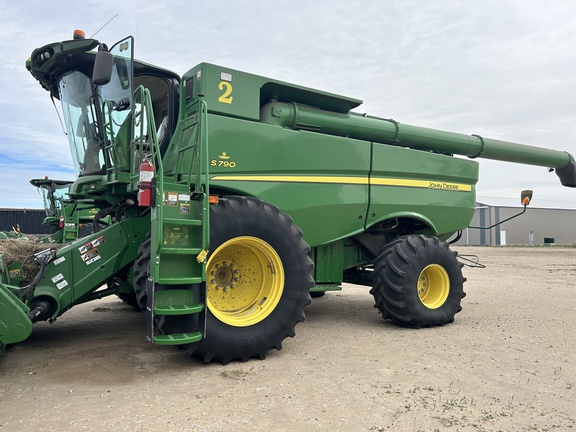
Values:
[(545, 222)]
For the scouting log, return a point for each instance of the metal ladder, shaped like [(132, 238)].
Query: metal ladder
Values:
[(179, 236)]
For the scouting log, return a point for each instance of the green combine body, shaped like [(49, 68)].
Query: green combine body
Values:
[(231, 197)]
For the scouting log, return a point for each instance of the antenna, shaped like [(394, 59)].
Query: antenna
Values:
[(107, 22)]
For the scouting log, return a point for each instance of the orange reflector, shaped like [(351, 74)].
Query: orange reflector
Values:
[(79, 34), (213, 199), (526, 201)]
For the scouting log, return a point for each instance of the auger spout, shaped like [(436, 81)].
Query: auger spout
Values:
[(388, 131)]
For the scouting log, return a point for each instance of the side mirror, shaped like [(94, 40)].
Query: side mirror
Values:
[(526, 197), (102, 72)]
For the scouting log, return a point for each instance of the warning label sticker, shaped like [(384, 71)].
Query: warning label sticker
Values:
[(57, 278), (89, 255), (90, 245), (172, 198), (90, 261), (59, 260)]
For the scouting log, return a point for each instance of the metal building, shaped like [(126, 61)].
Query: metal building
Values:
[(545, 222), (30, 220)]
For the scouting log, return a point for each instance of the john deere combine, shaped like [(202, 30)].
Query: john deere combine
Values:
[(233, 196)]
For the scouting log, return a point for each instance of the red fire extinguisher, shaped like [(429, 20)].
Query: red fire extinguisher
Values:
[(61, 225), (146, 185)]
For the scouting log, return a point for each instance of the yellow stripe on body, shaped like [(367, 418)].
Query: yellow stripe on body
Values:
[(295, 179), (378, 181)]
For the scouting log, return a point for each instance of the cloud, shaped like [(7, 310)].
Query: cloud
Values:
[(499, 69)]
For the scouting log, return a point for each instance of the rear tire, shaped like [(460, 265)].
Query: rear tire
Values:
[(417, 282)]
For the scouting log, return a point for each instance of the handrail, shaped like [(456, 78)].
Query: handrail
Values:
[(148, 138), (108, 138), (142, 95), (204, 172)]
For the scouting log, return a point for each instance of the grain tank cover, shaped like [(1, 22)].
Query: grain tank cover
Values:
[(240, 94)]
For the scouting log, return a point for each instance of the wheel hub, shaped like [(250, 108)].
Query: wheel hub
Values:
[(225, 276), (245, 281), (433, 286)]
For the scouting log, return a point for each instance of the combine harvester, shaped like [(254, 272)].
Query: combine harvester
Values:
[(233, 196)]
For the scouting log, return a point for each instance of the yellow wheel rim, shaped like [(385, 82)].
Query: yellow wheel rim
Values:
[(245, 281), (433, 286)]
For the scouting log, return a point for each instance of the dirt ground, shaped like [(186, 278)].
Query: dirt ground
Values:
[(506, 364)]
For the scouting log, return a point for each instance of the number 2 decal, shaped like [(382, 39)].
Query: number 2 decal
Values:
[(225, 97)]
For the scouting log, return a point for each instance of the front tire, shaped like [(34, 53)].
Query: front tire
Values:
[(417, 282), (257, 280)]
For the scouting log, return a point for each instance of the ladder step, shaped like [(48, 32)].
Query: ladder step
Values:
[(178, 339), (179, 251), (176, 221), (174, 297), (326, 287), (179, 280), (179, 309)]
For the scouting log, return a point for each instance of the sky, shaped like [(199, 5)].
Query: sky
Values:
[(502, 69)]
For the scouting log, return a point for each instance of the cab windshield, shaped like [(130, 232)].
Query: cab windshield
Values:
[(53, 196), (91, 111), (81, 122)]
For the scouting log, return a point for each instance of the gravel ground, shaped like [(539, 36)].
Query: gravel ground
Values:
[(506, 364)]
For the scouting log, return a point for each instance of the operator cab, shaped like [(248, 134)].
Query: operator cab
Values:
[(164, 90), (97, 107), (54, 193)]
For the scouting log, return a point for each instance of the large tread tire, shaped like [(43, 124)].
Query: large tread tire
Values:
[(232, 219), (380, 300), (130, 300), (141, 272), (418, 282)]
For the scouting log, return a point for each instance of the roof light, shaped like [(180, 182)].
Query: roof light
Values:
[(79, 34)]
